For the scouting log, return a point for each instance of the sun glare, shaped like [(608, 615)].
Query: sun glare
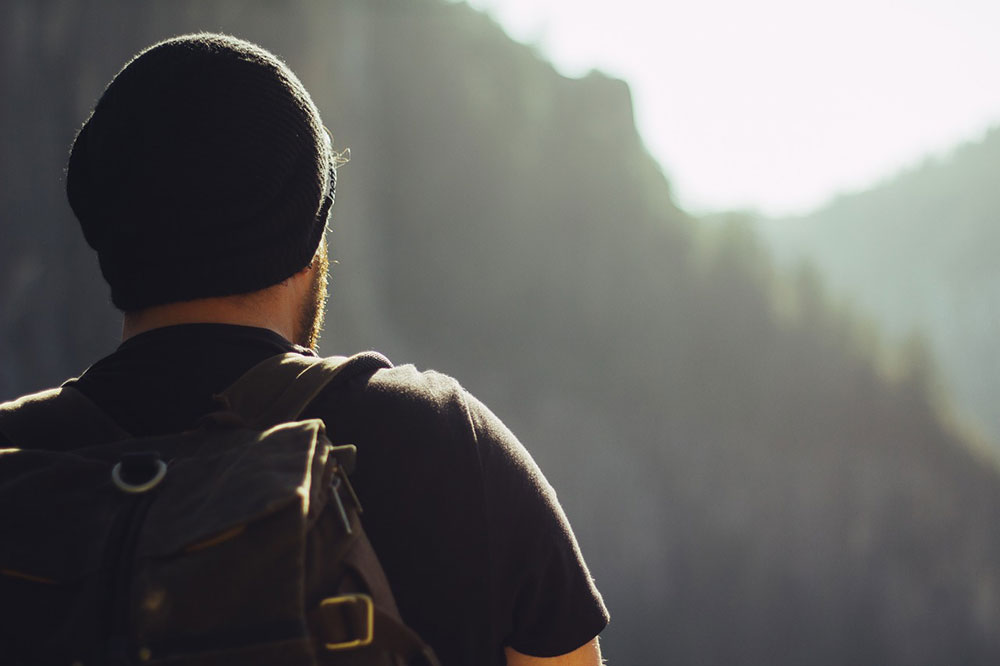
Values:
[(780, 104)]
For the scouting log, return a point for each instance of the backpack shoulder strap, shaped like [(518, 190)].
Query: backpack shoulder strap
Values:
[(59, 419), (279, 388)]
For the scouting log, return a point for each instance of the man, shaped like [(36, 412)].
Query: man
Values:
[(204, 180)]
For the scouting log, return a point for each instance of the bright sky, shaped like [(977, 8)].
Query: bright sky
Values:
[(777, 105)]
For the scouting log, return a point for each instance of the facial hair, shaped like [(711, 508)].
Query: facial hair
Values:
[(313, 310)]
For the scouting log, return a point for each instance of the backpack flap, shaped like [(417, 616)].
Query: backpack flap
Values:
[(220, 559), (243, 476)]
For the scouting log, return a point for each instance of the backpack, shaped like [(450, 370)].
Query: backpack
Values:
[(236, 542)]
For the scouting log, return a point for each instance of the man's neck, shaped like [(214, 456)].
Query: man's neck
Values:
[(278, 308), (239, 310)]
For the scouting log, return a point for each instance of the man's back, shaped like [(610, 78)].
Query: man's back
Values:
[(470, 535)]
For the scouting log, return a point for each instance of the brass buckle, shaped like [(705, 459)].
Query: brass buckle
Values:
[(369, 615)]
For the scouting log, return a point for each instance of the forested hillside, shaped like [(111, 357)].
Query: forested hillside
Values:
[(918, 254), (746, 486)]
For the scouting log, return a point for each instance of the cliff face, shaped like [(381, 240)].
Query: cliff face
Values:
[(747, 488)]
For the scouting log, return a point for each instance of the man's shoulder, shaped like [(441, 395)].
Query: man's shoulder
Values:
[(408, 384), (404, 396)]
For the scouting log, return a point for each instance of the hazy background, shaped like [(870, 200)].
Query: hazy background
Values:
[(772, 432)]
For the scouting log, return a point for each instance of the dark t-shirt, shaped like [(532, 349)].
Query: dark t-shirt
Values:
[(471, 536)]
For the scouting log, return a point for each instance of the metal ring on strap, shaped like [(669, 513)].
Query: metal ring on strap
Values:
[(135, 488)]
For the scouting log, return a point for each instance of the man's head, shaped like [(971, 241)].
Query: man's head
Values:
[(204, 171)]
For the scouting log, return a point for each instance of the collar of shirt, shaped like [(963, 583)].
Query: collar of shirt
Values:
[(163, 380)]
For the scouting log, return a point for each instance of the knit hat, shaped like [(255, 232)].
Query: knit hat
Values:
[(204, 170)]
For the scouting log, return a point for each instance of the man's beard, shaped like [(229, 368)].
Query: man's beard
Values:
[(314, 307)]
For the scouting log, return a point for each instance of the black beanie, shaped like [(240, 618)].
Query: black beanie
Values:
[(204, 170)]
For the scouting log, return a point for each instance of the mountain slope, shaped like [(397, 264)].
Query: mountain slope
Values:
[(918, 254)]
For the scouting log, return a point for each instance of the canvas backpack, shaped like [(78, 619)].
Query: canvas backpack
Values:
[(237, 542)]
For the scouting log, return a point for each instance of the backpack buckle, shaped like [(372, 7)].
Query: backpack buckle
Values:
[(346, 616)]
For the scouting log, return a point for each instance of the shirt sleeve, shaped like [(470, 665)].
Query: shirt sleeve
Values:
[(544, 602)]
